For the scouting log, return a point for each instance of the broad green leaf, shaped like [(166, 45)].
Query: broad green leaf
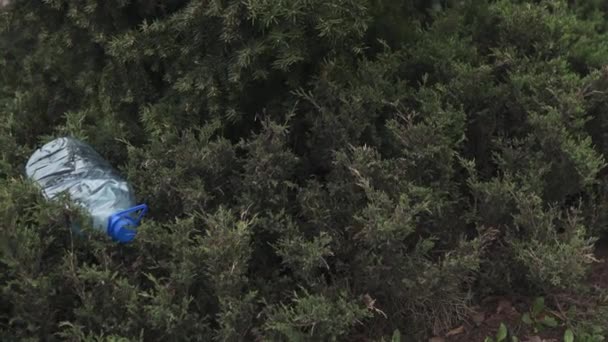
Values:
[(396, 336), (538, 306), (568, 336), (526, 318), (502, 333), (550, 321)]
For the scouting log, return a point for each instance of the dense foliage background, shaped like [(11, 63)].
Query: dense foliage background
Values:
[(316, 170)]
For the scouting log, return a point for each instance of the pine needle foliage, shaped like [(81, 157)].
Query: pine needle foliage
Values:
[(316, 170)]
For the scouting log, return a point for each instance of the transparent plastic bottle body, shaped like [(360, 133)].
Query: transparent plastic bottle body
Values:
[(67, 165)]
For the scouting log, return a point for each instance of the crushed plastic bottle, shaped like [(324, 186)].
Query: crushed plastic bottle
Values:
[(69, 165)]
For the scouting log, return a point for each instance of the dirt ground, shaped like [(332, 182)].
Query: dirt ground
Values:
[(486, 319)]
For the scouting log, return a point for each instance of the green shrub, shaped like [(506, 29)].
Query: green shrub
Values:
[(316, 170)]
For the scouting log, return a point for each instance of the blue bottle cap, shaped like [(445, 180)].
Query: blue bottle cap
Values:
[(119, 222)]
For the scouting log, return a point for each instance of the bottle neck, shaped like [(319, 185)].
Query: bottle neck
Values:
[(121, 225)]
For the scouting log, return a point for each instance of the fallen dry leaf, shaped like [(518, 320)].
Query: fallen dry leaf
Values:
[(367, 299), (456, 331), (436, 339), (478, 318), (504, 306), (371, 304), (534, 339)]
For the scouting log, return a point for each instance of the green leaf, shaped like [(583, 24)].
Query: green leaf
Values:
[(514, 339), (550, 321), (502, 333), (538, 306), (396, 336), (568, 336), (527, 319), (488, 339)]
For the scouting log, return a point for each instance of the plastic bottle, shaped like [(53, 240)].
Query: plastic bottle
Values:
[(72, 166)]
